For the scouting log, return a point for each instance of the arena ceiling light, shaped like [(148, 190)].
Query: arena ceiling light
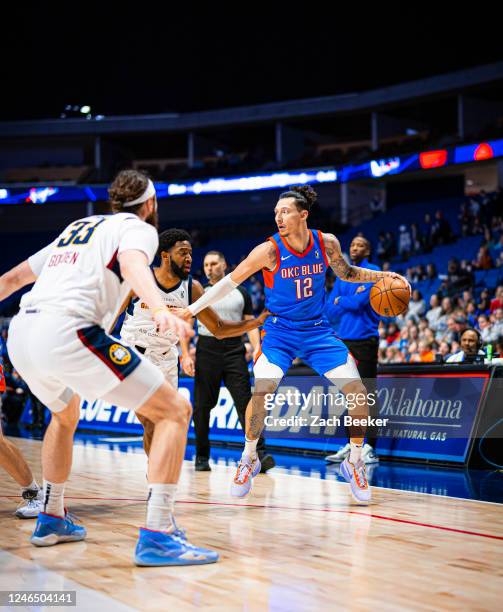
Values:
[(85, 110)]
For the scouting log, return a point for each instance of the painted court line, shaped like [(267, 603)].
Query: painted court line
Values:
[(296, 509)]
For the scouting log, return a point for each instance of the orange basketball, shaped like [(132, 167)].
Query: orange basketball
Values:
[(390, 297)]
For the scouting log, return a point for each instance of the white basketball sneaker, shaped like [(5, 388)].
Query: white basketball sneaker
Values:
[(340, 455), (33, 503)]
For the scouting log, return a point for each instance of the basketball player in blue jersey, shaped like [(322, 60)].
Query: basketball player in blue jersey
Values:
[(294, 262)]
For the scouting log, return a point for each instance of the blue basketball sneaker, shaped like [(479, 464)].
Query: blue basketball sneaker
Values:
[(248, 468), (356, 475), (51, 530), (156, 548)]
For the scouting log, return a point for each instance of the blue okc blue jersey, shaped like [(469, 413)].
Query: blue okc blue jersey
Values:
[(295, 289)]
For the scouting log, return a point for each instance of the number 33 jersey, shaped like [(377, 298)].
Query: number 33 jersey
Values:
[(295, 288), (79, 274)]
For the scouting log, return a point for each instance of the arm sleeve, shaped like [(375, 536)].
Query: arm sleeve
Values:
[(213, 295), (38, 259), (137, 235), (248, 307)]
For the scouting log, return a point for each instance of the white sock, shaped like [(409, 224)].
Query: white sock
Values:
[(250, 448), (161, 507), (54, 502), (355, 453), (31, 487)]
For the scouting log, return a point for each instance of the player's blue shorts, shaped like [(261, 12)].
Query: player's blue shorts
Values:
[(313, 341)]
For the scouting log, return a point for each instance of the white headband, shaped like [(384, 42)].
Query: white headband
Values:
[(146, 195)]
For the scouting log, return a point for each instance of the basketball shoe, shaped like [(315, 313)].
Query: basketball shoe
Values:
[(247, 469), (340, 455), (33, 503), (51, 530), (357, 477), (155, 548)]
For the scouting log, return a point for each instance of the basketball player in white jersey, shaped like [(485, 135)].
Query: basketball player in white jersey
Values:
[(13, 462), (59, 346), (177, 290)]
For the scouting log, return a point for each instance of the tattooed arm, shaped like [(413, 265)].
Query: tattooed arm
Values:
[(347, 272)]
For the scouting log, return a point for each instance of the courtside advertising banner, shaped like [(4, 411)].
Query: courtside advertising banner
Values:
[(421, 416)]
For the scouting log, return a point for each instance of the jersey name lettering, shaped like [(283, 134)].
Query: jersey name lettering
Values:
[(69, 257), (306, 270)]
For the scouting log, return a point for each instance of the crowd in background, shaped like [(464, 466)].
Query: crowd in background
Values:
[(431, 327)]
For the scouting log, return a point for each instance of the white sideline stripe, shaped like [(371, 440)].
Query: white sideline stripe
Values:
[(21, 575)]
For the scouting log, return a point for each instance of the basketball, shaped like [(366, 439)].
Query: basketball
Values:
[(390, 297)]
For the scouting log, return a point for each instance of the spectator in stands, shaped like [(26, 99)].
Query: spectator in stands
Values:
[(417, 306), (435, 311), (474, 207), (471, 346), (445, 313), (431, 271), (484, 260), (404, 243), (381, 247), (393, 334), (460, 324), (486, 329), (444, 349), (426, 233), (426, 352), (416, 237), (471, 313), (497, 302), (498, 247), (441, 232), (392, 355), (456, 279), (484, 305), (497, 323), (465, 219), (476, 228)]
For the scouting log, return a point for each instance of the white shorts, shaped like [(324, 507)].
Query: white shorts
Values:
[(167, 362), (59, 355)]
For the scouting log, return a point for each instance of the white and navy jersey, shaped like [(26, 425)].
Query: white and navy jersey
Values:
[(139, 328), (79, 274), (232, 307)]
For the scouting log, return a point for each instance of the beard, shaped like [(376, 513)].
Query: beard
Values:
[(153, 219), (180, 272)]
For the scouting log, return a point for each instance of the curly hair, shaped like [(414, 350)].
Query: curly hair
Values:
[(126, 187), (305, 196), (170, 237)]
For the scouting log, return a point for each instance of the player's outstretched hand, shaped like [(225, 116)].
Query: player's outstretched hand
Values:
[(165, 321), (183, 313)]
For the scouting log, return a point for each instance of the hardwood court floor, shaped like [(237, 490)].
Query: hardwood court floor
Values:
[(296, 543)]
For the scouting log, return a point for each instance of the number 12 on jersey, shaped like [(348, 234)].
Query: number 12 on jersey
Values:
[(304, 287)]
